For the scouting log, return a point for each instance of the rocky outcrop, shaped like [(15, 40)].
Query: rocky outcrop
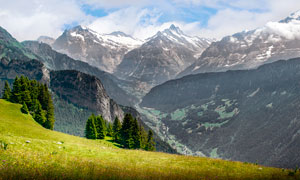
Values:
[(85, 91), (32, 69)]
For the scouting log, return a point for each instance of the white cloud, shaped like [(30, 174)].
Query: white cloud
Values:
[(140, 18), (126, 20), (30, 19), (230, 20), (289, 30), (115, 3)]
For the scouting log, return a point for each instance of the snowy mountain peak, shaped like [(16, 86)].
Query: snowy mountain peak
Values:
[(293, 17), (77, 28), (173, 30)]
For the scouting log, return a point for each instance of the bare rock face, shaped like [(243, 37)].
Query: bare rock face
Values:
[(104, 51), (33, 69), (85, 91), (250, 49), (162, 57)]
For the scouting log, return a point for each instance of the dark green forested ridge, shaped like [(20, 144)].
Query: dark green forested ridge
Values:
[(130, 134), (35, 99)]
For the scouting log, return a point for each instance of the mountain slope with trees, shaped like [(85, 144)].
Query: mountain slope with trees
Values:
[(29, 151), (246, 115)]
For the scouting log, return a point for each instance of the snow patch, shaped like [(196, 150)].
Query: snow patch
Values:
[(74, 34)]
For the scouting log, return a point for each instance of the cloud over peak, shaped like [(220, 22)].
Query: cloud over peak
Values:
[(142, 18)]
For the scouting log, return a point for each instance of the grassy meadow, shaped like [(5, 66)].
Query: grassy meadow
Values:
[(28, 151)]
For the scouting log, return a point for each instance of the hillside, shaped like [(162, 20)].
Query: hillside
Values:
[(36, 153), (242, 115)]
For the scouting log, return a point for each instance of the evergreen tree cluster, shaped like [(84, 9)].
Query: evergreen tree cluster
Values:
[(129, 134), (97, 128), (35, 98)]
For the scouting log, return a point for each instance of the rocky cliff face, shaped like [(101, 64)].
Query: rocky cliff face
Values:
[(249, 115), (33, 69), (85, 91), (250, 49), (57, 61), (162, 57), (104, 51)]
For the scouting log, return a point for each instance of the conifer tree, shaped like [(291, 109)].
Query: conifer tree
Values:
[(100, 127), (136, 135), (150, 142), (39, 115), (15, 95), (126, 132), (43, 95), (24, 108), (144, 137), (25, 97), (49, 124), (117, 130), (109, 130), (6, 91), (90, 128)]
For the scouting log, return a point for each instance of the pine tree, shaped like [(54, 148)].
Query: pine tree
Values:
[(15, 95), (6, 91), (39, 115), (144, 137), (150, 142), (117, 130), (136, 135), (24, 108), (25, 97), (43, 95), (109, 130), (90, 128), (49, 124), (100, 127), (126, 132)]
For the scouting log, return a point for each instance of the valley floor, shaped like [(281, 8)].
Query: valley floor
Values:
[(28, 151)]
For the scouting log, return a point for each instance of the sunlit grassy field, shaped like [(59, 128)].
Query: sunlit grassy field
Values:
[(36, 153)]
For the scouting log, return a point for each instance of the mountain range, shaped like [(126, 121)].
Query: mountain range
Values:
[(143, 63), (250, 49), (76, 95), (236, 98), (104, 51)]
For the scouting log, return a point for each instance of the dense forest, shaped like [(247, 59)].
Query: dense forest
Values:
[(34, 97), (130, 134)]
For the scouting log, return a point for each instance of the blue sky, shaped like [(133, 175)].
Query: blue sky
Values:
[(186, 13), (141, 18)]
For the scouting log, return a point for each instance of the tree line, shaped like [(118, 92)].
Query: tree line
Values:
[(130, 134), (34, 97)]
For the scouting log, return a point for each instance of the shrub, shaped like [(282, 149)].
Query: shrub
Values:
[(3, 145)]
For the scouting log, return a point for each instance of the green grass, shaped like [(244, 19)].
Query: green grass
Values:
[(54, 155)]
